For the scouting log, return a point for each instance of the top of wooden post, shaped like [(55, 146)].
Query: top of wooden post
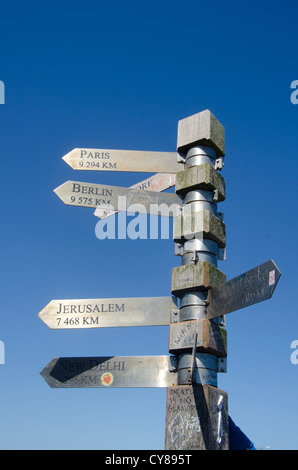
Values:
[(201, 129)]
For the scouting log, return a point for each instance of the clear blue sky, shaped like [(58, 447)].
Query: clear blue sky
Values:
[(120, 75)]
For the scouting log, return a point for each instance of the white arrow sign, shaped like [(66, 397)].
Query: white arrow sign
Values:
[(123, 160), (75, 193), (159, 182), (100, 313)]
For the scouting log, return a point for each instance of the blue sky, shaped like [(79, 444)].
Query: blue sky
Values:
[(121, 75)]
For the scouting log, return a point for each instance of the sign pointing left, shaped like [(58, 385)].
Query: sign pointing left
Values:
[(123, 160), (100, 313), (111, 371), (75, 193), (126, 371)]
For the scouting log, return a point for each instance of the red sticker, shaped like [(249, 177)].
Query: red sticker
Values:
[(272, 278), (107, 379)]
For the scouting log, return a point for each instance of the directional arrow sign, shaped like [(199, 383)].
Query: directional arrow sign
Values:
[(249, 288), (159, 182), (127, 371), (120, 371), (122, 199), (100, 313), (123, 160)]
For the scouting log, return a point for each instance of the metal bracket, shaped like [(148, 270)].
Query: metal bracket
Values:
[(220, 216), (222, 364), (222, 254), (190, 376), (207, 301), (173, 367), (180, 159), (179, 249), (195, 257), (219, 163), (216, 195), (174, 316)]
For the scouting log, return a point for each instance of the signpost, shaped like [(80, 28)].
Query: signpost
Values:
[(196, 409)]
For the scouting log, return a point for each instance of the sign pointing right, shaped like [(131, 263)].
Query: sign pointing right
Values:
[(158, 182), (249, 288)]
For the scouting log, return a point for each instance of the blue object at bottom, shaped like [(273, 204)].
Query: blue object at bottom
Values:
[(237, 439)]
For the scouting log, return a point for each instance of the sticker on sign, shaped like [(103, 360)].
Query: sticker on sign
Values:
[(272, 278)]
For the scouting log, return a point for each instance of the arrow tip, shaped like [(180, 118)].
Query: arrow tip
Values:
[(276, 267), (46, 372), (60, 190), (68, 157), (43, 315), (56, 191)]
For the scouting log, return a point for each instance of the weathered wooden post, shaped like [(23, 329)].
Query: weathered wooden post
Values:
[(197, 411)]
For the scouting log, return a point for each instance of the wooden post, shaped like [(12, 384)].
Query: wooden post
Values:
[(196, 410), (196, 418)]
